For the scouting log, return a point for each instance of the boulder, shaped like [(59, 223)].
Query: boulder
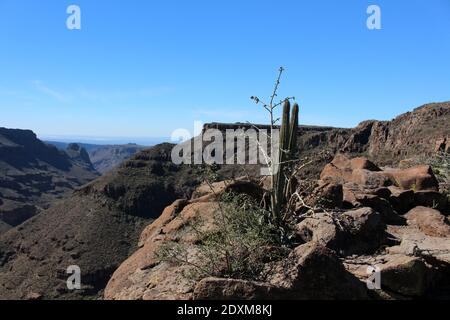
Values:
[(429, 221), (315, 272), (408, 276), (401, 276), (352, 232), (401, 200), (328, 195), (370, 179), (365, 230), (432, 199), (320, 229), (382, 206), (341, 169), (363, 163), (417, 178)]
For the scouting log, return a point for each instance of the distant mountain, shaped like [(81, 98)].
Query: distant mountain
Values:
[(34, 174), (104, 157)]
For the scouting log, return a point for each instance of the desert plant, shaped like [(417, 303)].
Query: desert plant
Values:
[(281, 184), (282, 161), (238, 245)]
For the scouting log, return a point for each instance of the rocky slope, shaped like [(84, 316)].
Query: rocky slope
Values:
[(357, 216), (96, 228), (34, 174)]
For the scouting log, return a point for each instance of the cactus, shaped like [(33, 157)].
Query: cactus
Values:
[(287, 148)]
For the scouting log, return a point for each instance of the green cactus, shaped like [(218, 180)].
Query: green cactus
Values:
[(287, 149)]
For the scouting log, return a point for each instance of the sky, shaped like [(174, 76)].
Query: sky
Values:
[(144, 68)]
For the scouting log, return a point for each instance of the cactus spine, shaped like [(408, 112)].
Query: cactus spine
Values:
[(287, 148)]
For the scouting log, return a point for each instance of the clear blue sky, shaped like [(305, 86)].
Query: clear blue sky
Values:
[(145, 68)]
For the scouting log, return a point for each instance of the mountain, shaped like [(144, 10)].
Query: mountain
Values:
[(98, 226), (34, 174), (105, 157)]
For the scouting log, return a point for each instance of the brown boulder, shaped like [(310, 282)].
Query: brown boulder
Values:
[(429, 221), (370, 179), (405, 275), (352, 232), (315, 272), (365, 230), (341, 169), (327, 195), (363, 163), (417, 178), (320, 229)]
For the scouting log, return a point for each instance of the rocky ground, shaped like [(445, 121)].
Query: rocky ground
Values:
[(357, 216)]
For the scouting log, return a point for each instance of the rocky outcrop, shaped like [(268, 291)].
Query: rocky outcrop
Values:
[(379, 225), (34, 174)]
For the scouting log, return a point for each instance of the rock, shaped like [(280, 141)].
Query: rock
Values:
[(233, 289), (315, 272), (320, 229), (364, 164), (414, 242), (326, 195), (168, 214), (432, 199), (429, 221), (370, 179), (338, 171), (365, 230), (382, 206), (342, 170), (401, 200), (418, 178), (351, 232), (401, 276), (405, 275), (144, 275)]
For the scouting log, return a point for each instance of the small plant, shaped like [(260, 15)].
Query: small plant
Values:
[(239, 244)]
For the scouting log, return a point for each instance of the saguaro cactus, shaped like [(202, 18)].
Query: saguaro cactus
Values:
[(287, 148)]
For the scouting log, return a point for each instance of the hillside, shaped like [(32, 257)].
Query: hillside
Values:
[(96, 228), (34, 174)]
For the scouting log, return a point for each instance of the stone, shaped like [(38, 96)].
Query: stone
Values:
[(418, 178), (401, 200), (315, 272), (429, 221), (405, 275)]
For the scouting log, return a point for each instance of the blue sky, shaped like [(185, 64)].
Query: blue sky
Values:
[(145, 68)]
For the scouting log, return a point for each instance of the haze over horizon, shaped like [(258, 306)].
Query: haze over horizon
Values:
[(145, 69)]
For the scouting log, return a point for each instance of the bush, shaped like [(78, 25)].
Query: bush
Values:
[(239, 245)]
